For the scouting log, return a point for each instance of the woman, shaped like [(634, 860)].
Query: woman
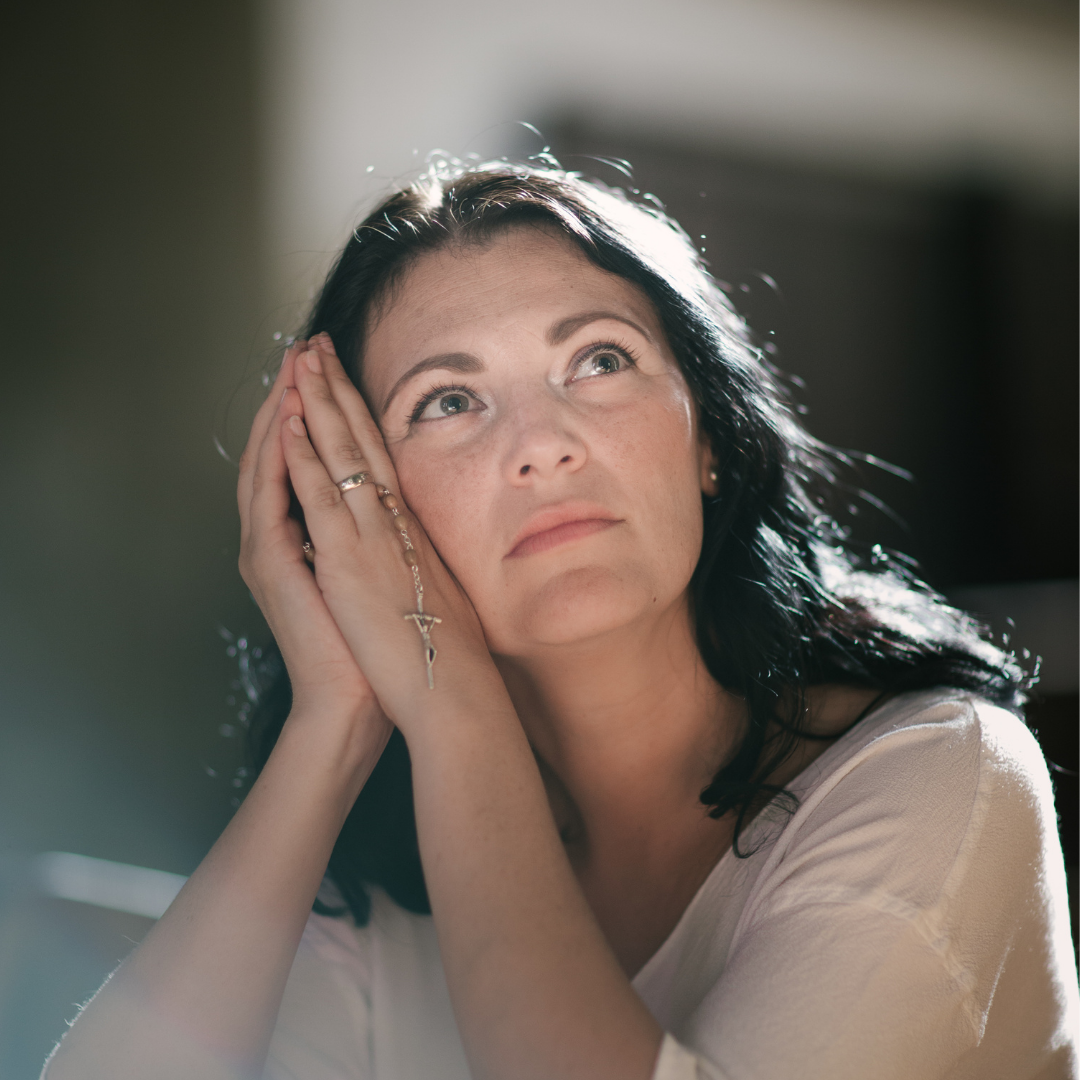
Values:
[(585, 665)]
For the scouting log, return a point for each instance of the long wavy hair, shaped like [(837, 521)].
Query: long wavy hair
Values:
[(781, 598)]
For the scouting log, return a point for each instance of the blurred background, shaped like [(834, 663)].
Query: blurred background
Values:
[(887, 188)]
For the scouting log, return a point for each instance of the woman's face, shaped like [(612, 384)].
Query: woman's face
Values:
[(544, 436)]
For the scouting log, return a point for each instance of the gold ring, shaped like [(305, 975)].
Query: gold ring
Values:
[(354, 481)]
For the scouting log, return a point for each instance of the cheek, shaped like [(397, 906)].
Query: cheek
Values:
[(655, 452), (653, 443), (448, 494), (653, 456)]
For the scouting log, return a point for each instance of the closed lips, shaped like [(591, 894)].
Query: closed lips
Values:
[(560, 525)]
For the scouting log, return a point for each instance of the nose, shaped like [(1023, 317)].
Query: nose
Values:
[(543, 444)]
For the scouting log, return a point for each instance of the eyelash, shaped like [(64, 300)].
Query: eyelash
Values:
[(457, 388)]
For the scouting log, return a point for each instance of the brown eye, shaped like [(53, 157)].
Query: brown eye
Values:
[(445, 401), (606, 363), (450, 404)]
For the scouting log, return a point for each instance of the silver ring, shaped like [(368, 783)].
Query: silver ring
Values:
[(355, 481)]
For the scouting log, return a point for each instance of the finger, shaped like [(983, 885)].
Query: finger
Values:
[(262, 463), (271, 560), (268, 512), (351, 403), (261, 424), (334, 440), (329, 521)]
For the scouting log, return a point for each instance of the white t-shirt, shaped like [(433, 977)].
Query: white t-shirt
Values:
[(909, 921)]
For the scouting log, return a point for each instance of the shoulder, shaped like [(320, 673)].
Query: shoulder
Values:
[(929, 785), (942, 748), (952, 758)]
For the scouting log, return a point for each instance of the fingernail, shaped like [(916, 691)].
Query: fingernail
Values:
[(322, 340), (313, 362), (296, 425)]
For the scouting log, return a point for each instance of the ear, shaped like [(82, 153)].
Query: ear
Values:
[(709, 475)]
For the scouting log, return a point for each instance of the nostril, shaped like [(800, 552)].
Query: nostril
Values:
[(564, 460), (525, 469)]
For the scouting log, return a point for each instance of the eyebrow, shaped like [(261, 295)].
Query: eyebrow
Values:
[(560, 331), (466, 363)]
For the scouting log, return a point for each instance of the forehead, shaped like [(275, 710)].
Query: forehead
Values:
[(516, 282)]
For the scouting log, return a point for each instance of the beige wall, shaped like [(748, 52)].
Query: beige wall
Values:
[(903, 88)]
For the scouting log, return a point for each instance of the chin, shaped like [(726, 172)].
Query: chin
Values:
[(575, 606)]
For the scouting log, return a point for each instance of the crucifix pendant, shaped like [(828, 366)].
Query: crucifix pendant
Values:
[(424, 623), (420, 618)]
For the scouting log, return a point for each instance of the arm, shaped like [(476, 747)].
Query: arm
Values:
[(536, 990), (200, 995)]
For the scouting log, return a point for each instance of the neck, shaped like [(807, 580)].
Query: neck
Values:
[(631, 723)]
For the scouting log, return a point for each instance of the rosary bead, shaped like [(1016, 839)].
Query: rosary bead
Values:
[(410, 557), (401, 523), (389, 501)]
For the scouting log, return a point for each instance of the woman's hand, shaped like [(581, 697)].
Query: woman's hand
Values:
[(327, 435), (325, 678)]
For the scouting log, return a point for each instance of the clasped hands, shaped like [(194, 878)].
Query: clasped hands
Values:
[(349, 650)]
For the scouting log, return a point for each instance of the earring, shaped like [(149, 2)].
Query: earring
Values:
[(712, 476)]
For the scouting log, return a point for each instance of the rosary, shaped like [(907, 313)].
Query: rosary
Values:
[(420, 618)]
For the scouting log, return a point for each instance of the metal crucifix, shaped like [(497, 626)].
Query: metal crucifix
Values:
[(424, 623)]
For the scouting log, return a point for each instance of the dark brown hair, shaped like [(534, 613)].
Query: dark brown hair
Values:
[(782, 600)]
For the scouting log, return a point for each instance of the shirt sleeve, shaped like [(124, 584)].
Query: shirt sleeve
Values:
[(901, 930)]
